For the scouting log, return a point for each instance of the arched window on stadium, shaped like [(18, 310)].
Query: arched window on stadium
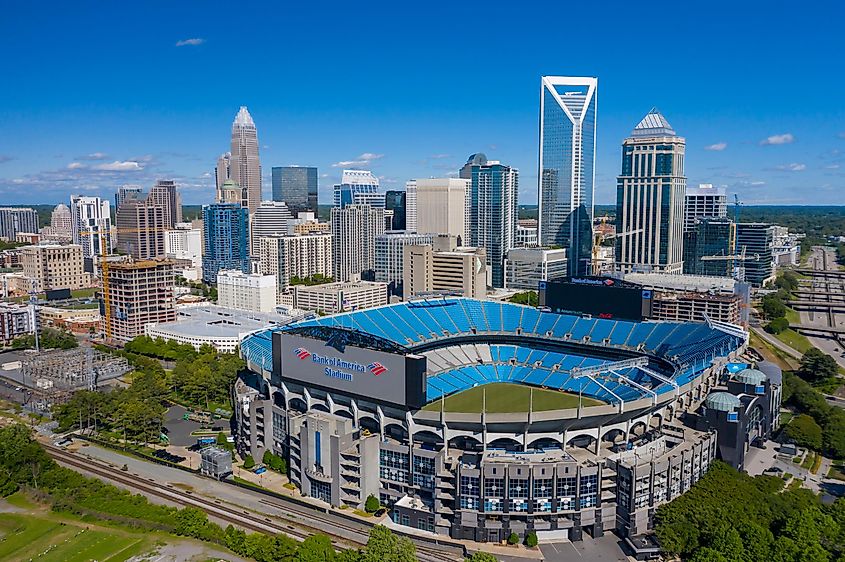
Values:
[(506, 443)]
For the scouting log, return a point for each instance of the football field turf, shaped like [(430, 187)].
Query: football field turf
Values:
[(506, 398)]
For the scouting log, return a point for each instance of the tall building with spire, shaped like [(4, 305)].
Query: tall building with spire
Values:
[(567, 167), (650, 198), (244, 165)]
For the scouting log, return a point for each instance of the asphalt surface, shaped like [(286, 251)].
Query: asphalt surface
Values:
[(824, 258)]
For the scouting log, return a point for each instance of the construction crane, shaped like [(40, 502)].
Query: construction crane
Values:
[(104, 268), (737, 204)]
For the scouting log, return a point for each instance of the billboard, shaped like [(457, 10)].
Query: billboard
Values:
[(57, 294), (356, 371), (600, 297)]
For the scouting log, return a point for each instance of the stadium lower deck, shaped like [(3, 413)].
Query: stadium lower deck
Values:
[(537, 348)]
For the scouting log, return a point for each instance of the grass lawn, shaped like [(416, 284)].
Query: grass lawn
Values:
[(792, 316), (793, 339), (505, 398), (837, 471), (773, 354)]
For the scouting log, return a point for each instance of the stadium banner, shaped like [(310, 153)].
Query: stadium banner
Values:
[(347, 369)]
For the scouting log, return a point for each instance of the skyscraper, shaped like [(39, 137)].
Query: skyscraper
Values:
[(245, 167), (358, 187), (567, 166), (712, 237), (164, 193), (704, 201), (411, 206), (354, 231), (125, 191), (91, 224), (222, 172), (397, 201), (297, 187), (60, 221), (390, 251), (494, 213), (225, 239), (271, 218), (140, 225), (650, 198), (17, 219), (756, 240), (443, 207)]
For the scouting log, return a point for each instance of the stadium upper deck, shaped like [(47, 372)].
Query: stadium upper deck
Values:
[(469, 343)]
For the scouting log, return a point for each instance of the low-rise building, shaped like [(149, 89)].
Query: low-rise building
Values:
[(339, 297), (76, 320), (526, 267), (208, 324), (15, 320), (246, 291)]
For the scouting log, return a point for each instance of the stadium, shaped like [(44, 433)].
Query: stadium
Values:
[(475, 419)]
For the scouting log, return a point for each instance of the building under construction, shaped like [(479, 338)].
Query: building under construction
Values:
[(54, 375), (137, 293)]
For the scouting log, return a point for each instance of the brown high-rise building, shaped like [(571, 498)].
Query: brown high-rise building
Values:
[(54, 266), (139, 293)]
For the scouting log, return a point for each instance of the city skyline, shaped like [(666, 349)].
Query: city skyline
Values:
[(113, 123)]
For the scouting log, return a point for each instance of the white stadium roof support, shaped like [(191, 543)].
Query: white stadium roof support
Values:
[(609, 367)]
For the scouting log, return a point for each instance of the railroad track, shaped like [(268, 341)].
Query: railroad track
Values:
[(248, 520)]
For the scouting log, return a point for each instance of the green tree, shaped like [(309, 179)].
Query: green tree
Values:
[(529, 298), (773, 307), (372, 504), (513, 538), (249, 462), (316, 548), (384, 546), (805, 432), (817, 365), (480, 556), (531, 539), (777, 325)]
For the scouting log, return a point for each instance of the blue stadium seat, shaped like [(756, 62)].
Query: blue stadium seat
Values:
[(493, 315), (530, 317), (563, 325), (475, 313), (453, 314), (424, 318), (601, 330), (546, 322), (512, 317), (394, 320), (640, 333), (537, 376), (621, 332), (581, 328), (411, 320)]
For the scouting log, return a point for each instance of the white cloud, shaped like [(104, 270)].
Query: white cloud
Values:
[(785, 138), (793, 167), (75, 166), (832, 167), (96, 156), (193, 42), (439, 156), (364, 160), (718, 147), (118, 166)]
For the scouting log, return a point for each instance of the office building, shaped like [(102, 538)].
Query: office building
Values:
[(15, 320), (358, 187), (127, 191), (526, 233), (330, 298), (139, 293), (225, 239), (91, 227), (526, 267), (443, 267), (493, 214), (396, 202), (295, 256), (786, 247), (704, 201), (708, 247), (443, 207), (306, 223), (165, 194), (411, 206), (141, 224), (390, 255), (246, 291), (184, 243), (245, 166), (60, 229), (650, 198), (296, 186), (54, 266), (271, 218), (17, 219), (354, 232), (567, 167), (222, 173), (230, 192), (477, 159), (756, 240)]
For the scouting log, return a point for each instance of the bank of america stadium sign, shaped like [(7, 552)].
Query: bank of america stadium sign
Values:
[(338, 368)]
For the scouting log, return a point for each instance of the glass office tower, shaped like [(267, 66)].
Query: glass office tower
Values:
[(494, 213), (567, 167), (296, 186)]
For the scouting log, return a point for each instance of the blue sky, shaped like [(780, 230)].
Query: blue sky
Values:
[(98, 94)]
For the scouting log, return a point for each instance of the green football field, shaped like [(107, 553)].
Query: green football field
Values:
[(506, 398)]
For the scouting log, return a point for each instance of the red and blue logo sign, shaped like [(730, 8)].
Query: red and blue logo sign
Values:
[(377, 368), (302, 353)]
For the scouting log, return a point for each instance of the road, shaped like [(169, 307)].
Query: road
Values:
[(825, 289)]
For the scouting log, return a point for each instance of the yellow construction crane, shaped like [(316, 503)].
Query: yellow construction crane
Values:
[(104, 268)]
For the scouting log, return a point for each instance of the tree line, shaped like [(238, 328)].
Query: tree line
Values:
[(729, 516), (25, 464)]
